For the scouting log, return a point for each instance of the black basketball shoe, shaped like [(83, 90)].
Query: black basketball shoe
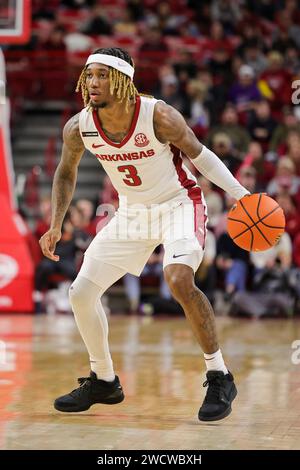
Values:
[(91, 391), (219, 396)]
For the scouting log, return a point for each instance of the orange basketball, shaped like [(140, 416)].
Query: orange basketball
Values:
[(256, 222)]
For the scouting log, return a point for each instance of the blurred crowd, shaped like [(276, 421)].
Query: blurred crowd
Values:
[(231, 68)]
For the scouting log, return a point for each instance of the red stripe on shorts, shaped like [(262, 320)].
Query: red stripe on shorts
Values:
[(194, 193)]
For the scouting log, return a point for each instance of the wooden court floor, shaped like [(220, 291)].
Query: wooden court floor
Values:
[(161, 370)]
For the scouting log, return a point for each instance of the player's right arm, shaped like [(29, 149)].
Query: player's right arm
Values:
[(63, 185)]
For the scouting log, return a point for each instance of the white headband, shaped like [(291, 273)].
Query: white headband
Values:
[(112, 61)]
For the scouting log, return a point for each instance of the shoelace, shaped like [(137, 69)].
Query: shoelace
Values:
[(82, 380), (214, 386), (84, 383)]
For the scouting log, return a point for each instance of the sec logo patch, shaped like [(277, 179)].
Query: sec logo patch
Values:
[(141, 140)]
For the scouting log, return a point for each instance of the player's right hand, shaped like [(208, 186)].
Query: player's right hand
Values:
[(48, 243)]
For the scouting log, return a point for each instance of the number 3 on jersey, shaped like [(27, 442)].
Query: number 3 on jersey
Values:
[(132, 178)]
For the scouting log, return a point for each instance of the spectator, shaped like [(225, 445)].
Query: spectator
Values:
[(292, 61), (83, 238), (261, 124), (125, 25), (274, 293), (169, 93), (107, 204), (286, 180), (43, 222), (249, 31), (195, 109), (283, 42), (227, 12), (67, 250), (278, 83), (97, 23), (230, 126), (185, 67), (217, 39), (56, 40), (285, 19), (168, 22), (282, 252), (247, 177), (244, 93), (233, 262), (152, 54), (216, 96), (220, 66), (293, 149), (254, 57), (202, 15), (154, 43), (221, 226), (296, 250), (265, 169), (89, 222), (292, 215), (109, 194), (289, 123), (222, 146)]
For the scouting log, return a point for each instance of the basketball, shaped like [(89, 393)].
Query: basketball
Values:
[(256, 222)]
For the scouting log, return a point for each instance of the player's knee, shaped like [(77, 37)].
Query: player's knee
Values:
[(181, 283), (82, 292), (76, 295)]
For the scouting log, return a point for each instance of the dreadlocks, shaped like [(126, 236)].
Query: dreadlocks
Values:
[(120, 83)]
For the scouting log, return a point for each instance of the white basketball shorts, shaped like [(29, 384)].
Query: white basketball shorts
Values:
[(132, 234)]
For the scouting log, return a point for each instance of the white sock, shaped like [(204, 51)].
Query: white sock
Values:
[(103, 370), (215, 361)]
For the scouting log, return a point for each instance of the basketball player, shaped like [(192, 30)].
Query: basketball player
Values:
[(138, 140)]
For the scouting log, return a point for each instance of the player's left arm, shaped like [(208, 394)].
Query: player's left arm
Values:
[(170, 126)]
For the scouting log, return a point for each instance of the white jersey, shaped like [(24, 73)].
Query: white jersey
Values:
[(140, 167)]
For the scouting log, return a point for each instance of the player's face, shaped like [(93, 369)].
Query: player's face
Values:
[(97, 82)]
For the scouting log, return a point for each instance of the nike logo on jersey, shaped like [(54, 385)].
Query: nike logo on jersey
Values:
[(177, 256), (95, 146)]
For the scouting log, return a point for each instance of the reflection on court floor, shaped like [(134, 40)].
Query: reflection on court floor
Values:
[(161, 369)]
